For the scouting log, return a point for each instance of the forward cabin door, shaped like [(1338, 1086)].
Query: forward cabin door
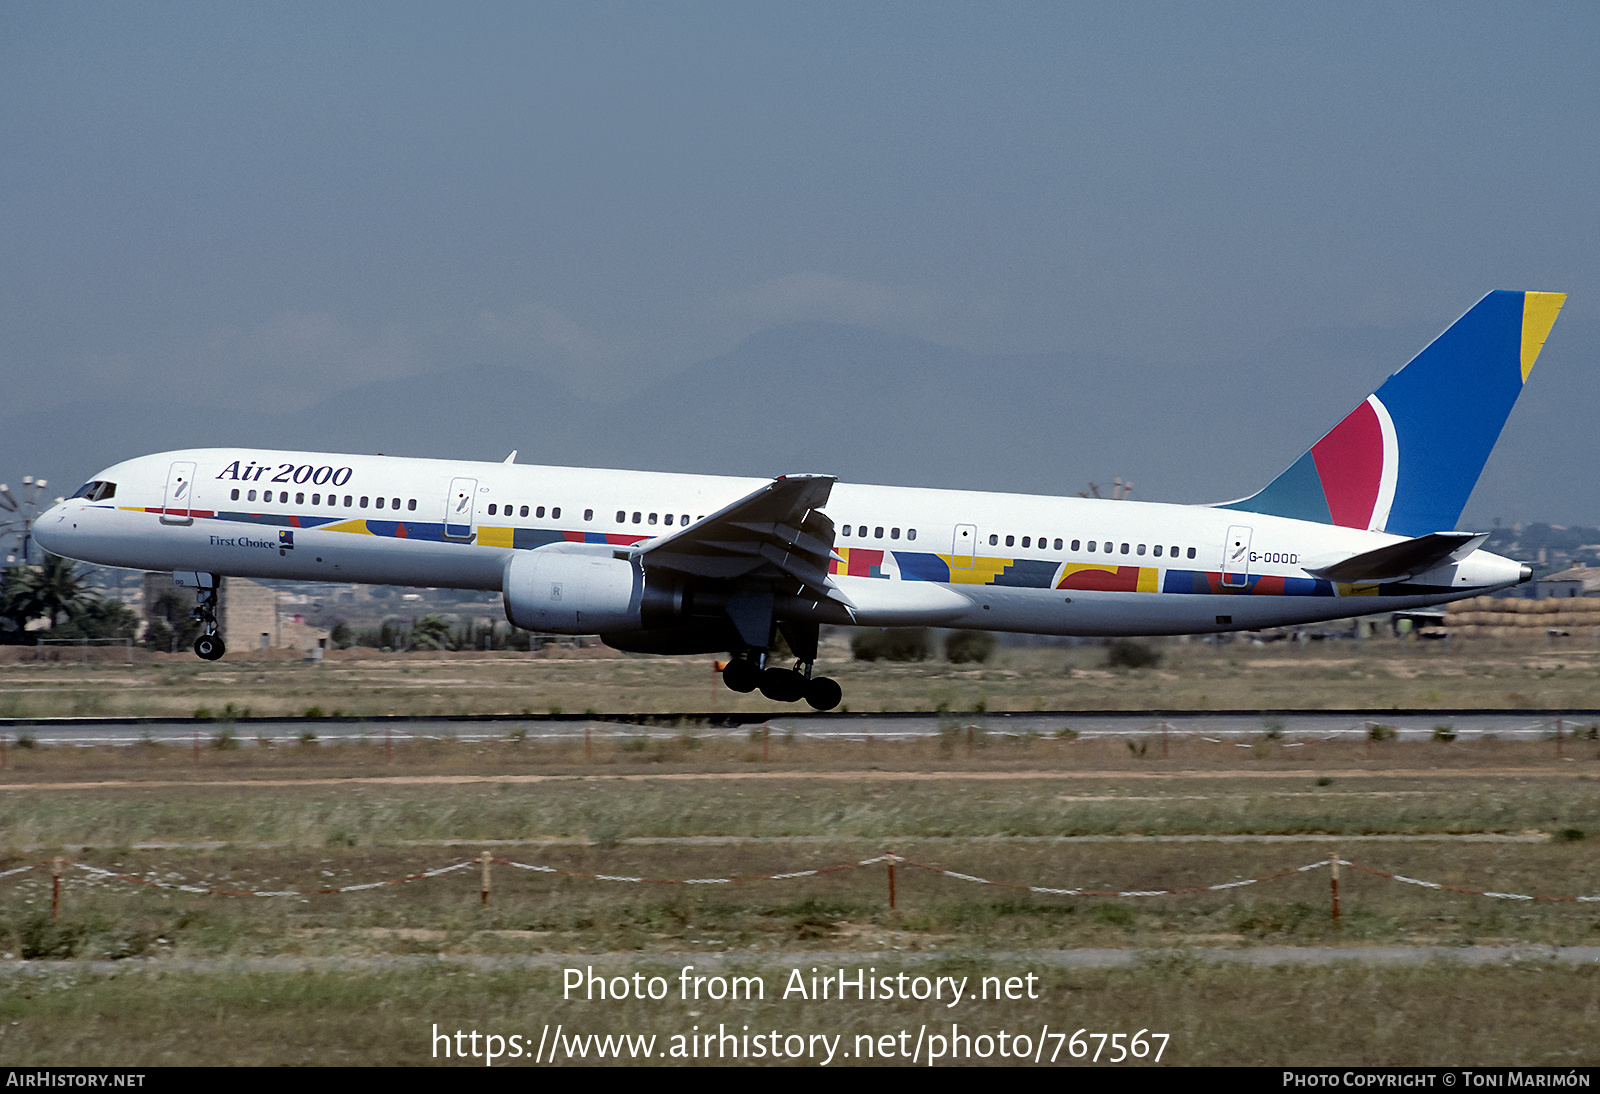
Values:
[(458, 508), (964, 548), (177, 507), (1236, 557)]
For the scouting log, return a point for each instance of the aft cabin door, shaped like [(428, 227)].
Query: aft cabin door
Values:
[(458, 508), (1236, 557), (963, 551), (178, 505)]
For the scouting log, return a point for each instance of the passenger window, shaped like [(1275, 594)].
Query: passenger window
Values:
[(1141, 549), (411, 504), (555, 514), (1124, 548), (1011, 541), (252, 496), (1027, 541), (877, 533), (622, 518), (683, 519), (1156, 550), (588, 514), (235, 493), (994, 541), (1191, 552), (667, 520), (363, 503), (523, 511), (1091, 546), (395, 504), (539, 512), (652, 519), (1058, 545), (911, 533), (894, 533), (348, 499), (316, 499), (637, 517), (846, 530), (299, 499)]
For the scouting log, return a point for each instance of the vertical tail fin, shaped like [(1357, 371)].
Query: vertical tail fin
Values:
[(1406, 459)]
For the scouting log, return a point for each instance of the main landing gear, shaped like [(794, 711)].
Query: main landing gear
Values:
[(209, 645), (746, 674)]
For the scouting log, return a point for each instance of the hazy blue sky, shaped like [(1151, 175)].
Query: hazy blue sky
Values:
[(231, 205)]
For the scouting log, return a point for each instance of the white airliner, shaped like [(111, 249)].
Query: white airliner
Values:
[(1363, 522)]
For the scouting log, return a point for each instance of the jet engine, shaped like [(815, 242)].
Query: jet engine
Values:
[(585, 589)]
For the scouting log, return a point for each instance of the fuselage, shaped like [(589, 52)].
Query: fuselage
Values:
[(903, 556)]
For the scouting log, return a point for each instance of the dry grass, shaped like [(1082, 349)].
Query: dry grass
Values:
[(1377, 674), (1439, 1015)]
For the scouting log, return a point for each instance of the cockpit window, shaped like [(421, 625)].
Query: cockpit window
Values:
[(97, 490)]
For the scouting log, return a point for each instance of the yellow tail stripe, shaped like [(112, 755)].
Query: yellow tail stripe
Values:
[(1539, 311)]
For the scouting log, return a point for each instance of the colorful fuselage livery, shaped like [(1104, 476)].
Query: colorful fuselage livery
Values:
[(1363, 522)]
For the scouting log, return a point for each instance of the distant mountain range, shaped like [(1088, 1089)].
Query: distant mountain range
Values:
[(863, 405)]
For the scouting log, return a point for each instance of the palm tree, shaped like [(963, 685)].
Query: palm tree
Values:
[(55, 589)]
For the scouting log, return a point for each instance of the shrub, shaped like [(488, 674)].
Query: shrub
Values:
[(894, 644), (1444, 732), (1381, 732), (1131, 653), (968, 647)]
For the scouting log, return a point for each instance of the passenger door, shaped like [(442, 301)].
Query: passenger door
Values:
[(964, 547), (177, 507), (1236, 557), (458, 508)]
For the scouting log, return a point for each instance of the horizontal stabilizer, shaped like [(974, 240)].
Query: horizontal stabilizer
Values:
[(1405, 559)]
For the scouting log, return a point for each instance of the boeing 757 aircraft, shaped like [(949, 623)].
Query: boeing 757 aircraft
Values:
[(1364, 522)]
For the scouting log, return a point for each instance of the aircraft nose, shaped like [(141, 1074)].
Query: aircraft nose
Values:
[(50, 528)]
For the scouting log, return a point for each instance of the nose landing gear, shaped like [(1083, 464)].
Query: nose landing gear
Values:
[(209, 645)]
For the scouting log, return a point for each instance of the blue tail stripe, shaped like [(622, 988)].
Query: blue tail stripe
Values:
[(1449, 406)]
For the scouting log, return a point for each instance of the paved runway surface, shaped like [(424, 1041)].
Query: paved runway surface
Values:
[(1240, 727)]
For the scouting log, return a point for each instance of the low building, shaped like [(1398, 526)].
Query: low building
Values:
[(1580, 580), (248, 614)]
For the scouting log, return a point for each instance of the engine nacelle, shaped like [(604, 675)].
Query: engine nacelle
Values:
[(560, 590)]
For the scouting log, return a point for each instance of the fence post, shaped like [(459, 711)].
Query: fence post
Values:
[(891, 881), (1333, 861), (588, 750), (3, 759), (1558, 738), (1163, 738), (388, 745), (55, 888), (197, 746), (485, 895), (766, 742)]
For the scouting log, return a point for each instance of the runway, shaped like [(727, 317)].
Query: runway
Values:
[(1241, 728)]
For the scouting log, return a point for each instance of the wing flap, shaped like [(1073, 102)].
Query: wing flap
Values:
[(776, 533)]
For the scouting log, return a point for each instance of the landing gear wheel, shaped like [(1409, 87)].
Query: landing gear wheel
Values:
[(823, 693), (741, 676), (783, 685), (209, 646)]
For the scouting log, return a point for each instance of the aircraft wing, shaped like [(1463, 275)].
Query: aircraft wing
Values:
[(1404, 559), (775, 533)]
